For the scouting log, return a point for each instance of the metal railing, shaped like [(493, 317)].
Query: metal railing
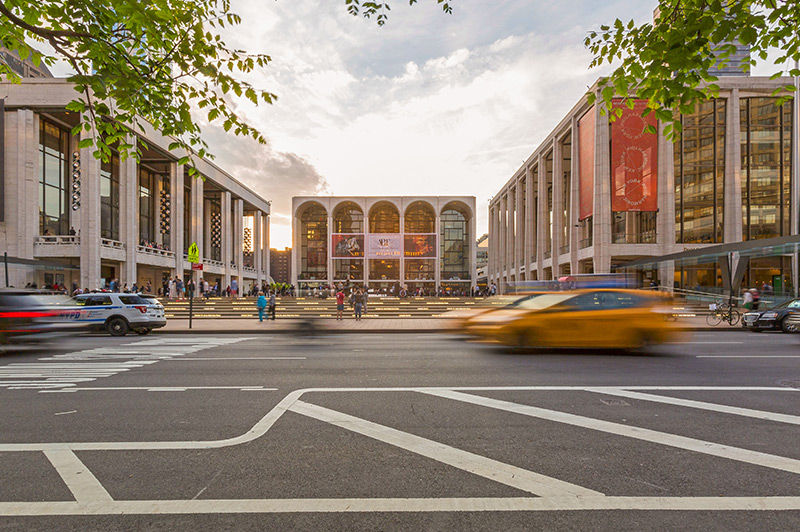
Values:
[(58, 240), (155, 251), (113, 244)]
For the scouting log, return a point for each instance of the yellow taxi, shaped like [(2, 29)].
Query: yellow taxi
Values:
[(591, 318)]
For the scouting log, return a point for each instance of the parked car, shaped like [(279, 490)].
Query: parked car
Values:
[(118, 313), (776, 318), (30, 316), (151, 300), (605, 318)]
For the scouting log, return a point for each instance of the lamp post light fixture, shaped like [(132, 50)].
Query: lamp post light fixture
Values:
[(76, 180)]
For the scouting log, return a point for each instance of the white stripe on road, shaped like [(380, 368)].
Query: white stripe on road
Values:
[(192, 359), (81, 482), (162, 389), (713, 343), (713, 407), (386, 505), (681, 442), (478, 465)]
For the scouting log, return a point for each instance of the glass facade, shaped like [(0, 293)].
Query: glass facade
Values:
[(384, 218), (633, 227), (384, 270), (215, 213), (766, 136), (54, 179), (419, 218), (109, 198), (187, 217), (420, 269), (348, 218), (348, 269), (455, 244), (700, 175), (147, 218), (314, 243)]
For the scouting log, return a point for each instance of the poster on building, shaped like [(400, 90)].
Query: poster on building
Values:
[(345, 246), (384, 246), (586, 164), (419, 246), (634, 160)]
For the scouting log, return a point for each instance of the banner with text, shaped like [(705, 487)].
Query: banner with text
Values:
[(586, 164), (634, 160), (420, 246), (345, 246), (383, 246)]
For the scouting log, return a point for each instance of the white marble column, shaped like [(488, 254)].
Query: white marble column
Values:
[(542, 214), (492, 224), (267, 265), (90, 218), (574, 199), (177, 245), (129, 220), (258, 251), (198, 222), (558, 205), (733, 218), (238, 242), (227, 234), (519, 233), (601, 220), (438, 273)]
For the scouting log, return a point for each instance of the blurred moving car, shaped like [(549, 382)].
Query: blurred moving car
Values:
[(777, 318), (491, 305), (30, 316), (118, 313), (605, 318)]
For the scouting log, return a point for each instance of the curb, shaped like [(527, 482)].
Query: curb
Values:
[(325, 332)]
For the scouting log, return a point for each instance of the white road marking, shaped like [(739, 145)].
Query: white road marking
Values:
[(64, 413), (681, 442), (388, 505), (192, 359), (80, 481), (478, 465), (162, 389), (65, 371), (713, 343), (746, 412)]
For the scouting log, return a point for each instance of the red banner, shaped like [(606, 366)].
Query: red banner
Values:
[(420, 246), (586, 164), (634, 160)]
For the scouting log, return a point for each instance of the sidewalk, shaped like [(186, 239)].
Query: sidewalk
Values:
[(349, 325)]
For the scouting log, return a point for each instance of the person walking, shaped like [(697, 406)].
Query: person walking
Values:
[(747, 300), (358, 301), (339, 304), (272, 304), (261, 303), (366, 299)]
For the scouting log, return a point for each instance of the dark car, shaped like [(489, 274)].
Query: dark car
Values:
[(773, 319), (27, 315)]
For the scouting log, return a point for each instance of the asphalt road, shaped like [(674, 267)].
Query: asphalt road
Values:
[(387, 432)]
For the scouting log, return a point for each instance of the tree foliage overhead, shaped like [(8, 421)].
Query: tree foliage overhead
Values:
[(667, 62), (153, 61)]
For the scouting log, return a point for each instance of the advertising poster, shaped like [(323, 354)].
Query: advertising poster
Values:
[(586, 164), (384, 246), (420, 246), (634, 160), (346, 245)]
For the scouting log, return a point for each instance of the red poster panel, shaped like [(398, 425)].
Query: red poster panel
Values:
[(586, 164), (634, 160), (346, 246), (420, 246)]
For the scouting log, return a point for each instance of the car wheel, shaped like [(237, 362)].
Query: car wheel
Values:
[(788, 327), (143, 332), (117, 327)]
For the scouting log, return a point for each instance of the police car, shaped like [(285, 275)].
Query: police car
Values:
[(118, 314)]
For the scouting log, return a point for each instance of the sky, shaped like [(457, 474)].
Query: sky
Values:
[(429, 104)]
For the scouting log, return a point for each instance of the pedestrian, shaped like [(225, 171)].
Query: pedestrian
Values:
[(358, 301), (234, 287), (339, 304), (756, 298), (190, 288), (366, 299), (261, 303), (747, 300), (272, 304)]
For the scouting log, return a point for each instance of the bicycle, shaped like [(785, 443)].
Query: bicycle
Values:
[(720, 313)]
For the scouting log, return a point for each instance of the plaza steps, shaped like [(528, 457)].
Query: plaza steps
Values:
[(378, 307)]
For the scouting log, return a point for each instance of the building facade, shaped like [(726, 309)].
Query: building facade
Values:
[(73, 220), (595, 195), (423, 242), (280, 265)]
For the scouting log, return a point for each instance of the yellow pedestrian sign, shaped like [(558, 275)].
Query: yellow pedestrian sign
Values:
[(194, 253)]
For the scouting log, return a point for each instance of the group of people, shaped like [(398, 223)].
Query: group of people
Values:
[(266, 302), (153, 245), (358, 300)]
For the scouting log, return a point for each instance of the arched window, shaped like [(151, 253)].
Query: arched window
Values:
[(455, 242), (420, 218), (314, 242), (384, 218), (348, 218)]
